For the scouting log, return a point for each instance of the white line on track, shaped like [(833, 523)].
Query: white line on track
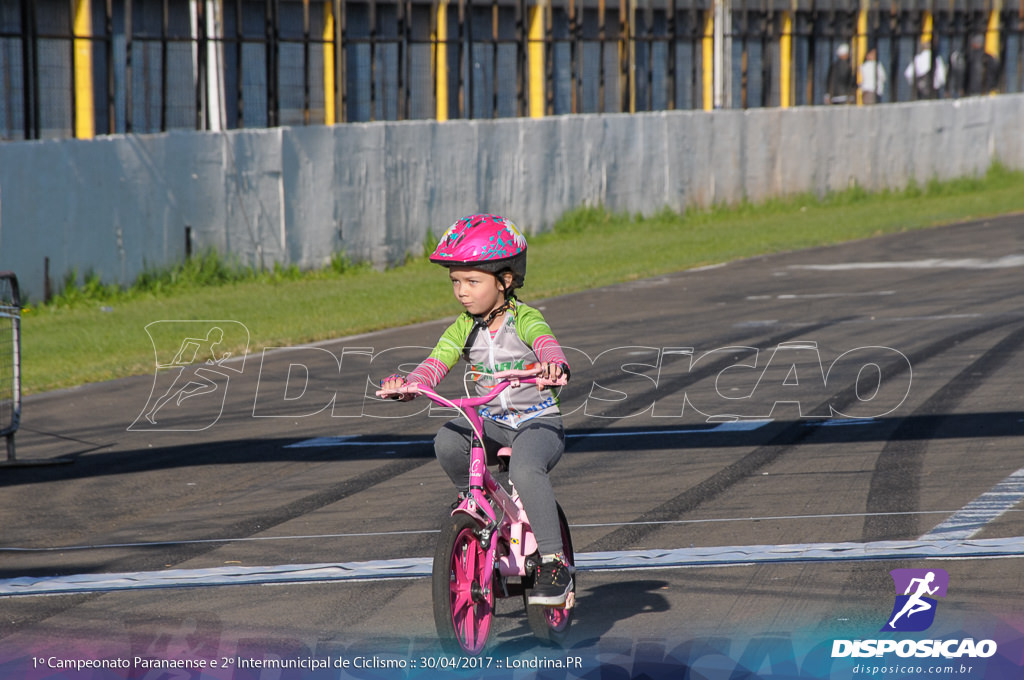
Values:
[(860, 320), (412, 532), (1006, 261), (932, 317), (817, 296), (420, 567)]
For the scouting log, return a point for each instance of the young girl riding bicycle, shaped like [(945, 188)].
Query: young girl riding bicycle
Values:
[(486, 260)]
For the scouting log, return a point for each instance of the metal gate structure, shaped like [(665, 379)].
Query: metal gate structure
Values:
[(80, 68), (10, 359), (10, 372)]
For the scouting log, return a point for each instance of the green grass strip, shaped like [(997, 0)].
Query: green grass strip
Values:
[(92, 332)]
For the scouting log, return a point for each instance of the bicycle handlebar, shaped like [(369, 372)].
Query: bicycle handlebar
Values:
[(509, 378)]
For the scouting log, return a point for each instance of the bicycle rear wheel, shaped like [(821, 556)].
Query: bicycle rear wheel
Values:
[(463, 606), (551, 624)]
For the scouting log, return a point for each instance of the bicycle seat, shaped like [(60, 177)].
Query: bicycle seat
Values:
[(504, 455)]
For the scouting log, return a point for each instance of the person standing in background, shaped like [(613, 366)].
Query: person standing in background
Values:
[(982, 69), (919, 73), (841, 85), (872, 78)]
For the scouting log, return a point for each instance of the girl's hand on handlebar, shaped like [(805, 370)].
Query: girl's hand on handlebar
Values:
[(551, 373), (391, 388)]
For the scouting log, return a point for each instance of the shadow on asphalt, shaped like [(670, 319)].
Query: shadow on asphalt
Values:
[(91, 463)]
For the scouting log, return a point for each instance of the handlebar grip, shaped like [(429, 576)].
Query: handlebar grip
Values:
[(515, 373), (410, 389), (530, 376)]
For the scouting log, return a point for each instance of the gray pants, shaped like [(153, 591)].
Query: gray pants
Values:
[(536, 447)]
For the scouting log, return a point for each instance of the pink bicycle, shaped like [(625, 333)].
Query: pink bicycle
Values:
[(487, 549)]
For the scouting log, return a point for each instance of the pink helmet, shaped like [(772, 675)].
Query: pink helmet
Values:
[(488, 242)]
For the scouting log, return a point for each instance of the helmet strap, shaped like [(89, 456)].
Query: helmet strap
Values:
[(482, 322), (496, 312), (509, 291)]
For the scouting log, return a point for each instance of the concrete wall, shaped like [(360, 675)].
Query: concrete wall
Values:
[(296, 195)]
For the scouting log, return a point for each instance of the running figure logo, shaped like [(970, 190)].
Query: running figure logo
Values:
[(915, 607), (192, 374)]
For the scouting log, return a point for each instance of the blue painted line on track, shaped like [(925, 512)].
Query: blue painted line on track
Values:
[(984, 509)]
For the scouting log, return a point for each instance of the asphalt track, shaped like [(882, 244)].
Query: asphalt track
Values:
[(753, 447)]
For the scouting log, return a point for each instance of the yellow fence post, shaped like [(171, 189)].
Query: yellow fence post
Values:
[(860, 46), (330, 117), (85, 115), (440, 57), (992, 33), (786, 61), (708, 60), (535, 60)]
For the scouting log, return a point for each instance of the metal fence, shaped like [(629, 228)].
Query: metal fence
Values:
[(79, 68), (10, 359)]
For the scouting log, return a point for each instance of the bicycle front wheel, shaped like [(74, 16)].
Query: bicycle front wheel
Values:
[(463, 605)]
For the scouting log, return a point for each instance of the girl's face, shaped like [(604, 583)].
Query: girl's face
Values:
[(477, 290)]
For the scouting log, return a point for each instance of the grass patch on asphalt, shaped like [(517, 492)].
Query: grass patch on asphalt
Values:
[(91, 332)]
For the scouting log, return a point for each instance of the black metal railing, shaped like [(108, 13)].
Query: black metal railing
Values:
[(10, 359), (79, 68)]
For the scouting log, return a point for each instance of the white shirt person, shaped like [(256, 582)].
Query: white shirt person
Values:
[(918, 70), (872, 78)]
